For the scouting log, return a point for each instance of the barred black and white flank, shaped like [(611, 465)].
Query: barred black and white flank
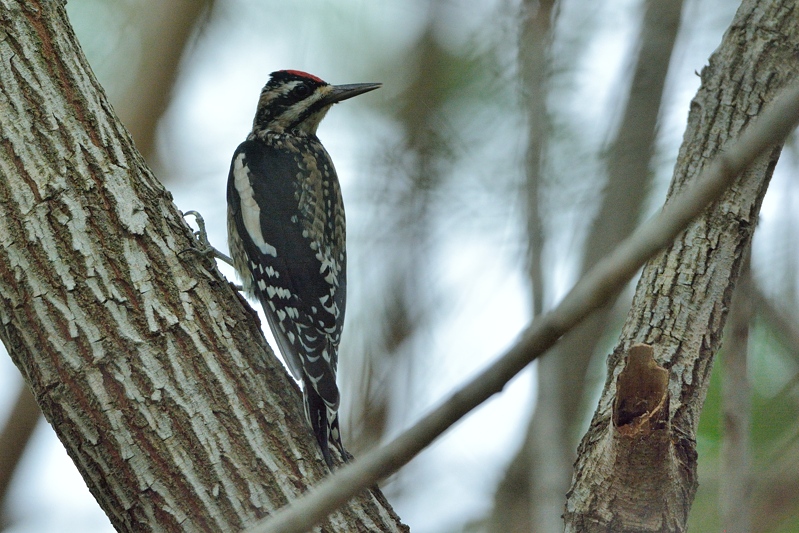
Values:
[(286, 232)]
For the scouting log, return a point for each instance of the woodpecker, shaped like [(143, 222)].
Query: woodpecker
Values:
[(286, 233)]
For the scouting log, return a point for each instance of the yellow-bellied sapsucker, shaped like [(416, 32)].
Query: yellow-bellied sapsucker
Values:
[(286, 233)]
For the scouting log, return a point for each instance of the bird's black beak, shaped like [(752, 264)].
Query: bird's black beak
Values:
[(343, 92)]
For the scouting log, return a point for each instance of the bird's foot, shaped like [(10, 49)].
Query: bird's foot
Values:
[(202, 239)]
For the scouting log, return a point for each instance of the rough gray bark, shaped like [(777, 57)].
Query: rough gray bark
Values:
[(155, 376), (682, 298), (139, 109)]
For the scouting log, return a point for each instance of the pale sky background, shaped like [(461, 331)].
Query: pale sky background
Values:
[(453, 481)]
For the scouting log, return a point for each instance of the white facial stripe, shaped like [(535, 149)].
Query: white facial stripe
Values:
[(250, 211), (309, 124)]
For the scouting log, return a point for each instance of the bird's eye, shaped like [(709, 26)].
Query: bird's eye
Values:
[(302, 91)]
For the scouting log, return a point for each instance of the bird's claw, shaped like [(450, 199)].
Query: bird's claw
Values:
[(202, 239)]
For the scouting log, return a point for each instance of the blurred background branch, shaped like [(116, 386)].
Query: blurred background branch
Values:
[(539, 476), (14, 438), (735, 495)]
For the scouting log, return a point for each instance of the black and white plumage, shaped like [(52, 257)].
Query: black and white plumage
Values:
[(286, 232)]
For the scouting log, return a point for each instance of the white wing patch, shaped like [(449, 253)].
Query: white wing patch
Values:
[(250, 211)]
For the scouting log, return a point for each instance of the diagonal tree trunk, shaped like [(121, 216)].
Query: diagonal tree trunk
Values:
[(154, 374), (140, 111), (636, 471)]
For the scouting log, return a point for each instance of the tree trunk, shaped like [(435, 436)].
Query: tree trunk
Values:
[(636, 469), (153, 372)]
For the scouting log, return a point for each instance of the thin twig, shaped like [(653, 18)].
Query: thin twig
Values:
[(607, 278)]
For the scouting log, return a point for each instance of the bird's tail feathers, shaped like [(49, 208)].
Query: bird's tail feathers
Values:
[(324, 422)]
